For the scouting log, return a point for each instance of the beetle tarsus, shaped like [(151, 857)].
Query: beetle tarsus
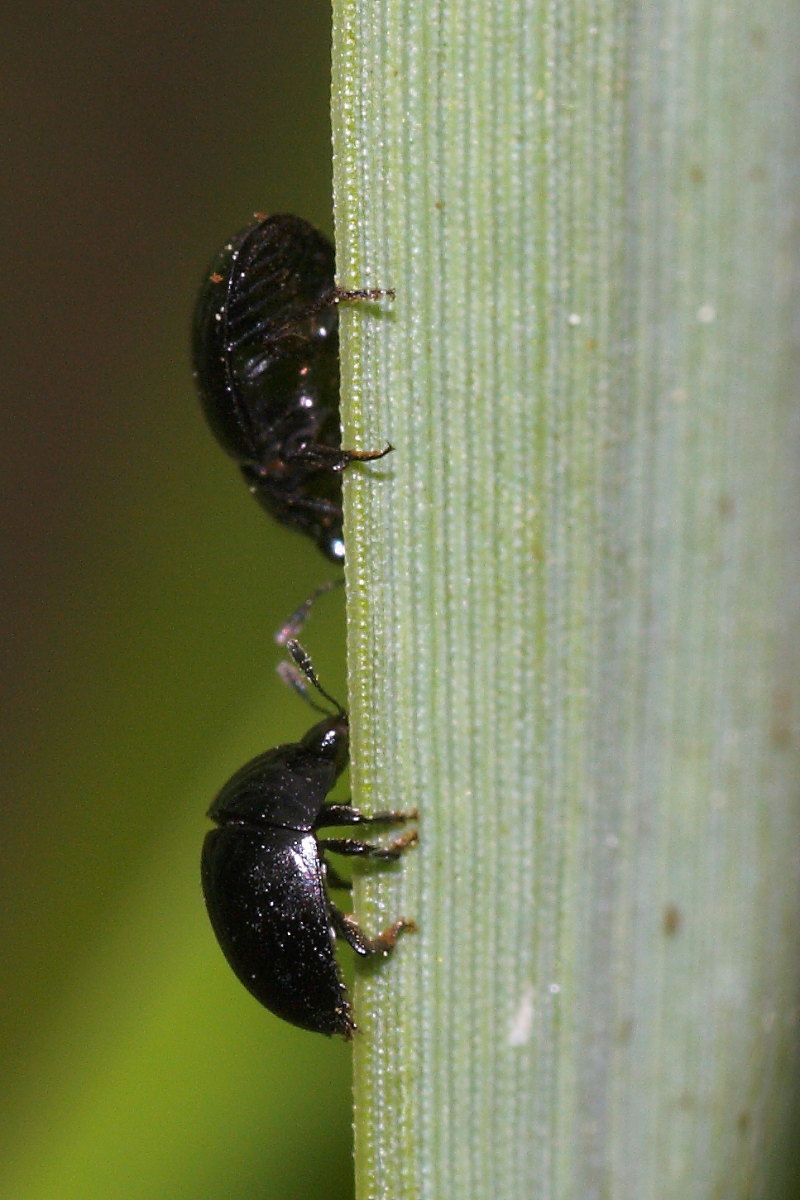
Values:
[(345, 814), (355, 849), (348, 928)]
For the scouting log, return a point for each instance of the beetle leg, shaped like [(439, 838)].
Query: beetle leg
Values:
[(258, 481), (334, 879), (343, 814), (343, 296), (368, 849), (330, 299), (333, 458), (347, 927), (327, 510)]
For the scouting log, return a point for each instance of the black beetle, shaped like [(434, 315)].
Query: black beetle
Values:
[(266, 361), (265, 875)]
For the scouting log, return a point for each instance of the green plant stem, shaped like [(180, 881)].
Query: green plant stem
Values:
[(572, 591)]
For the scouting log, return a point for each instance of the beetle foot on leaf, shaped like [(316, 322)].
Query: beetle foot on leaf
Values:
[(348, 928)]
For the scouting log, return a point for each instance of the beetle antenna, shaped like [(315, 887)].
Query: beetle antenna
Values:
[(291, 629), (303, 666), (292, 677)]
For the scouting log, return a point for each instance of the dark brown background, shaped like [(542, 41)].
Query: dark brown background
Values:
[(142, 588)]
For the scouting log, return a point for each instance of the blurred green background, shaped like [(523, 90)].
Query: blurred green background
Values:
[(143, 587)]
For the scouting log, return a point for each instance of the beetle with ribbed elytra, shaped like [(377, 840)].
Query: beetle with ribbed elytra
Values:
[(266, 360), (265, 874)]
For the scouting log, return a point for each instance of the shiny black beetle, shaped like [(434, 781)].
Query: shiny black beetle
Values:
[(266, 360), (265, 874)]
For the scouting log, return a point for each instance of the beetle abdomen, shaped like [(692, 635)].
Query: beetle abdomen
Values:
[(264, 368), (267, 904)]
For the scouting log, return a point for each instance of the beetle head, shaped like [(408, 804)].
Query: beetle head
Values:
[(329, 740)]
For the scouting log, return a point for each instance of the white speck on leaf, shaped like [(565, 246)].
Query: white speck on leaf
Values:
[(519, 1031)]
